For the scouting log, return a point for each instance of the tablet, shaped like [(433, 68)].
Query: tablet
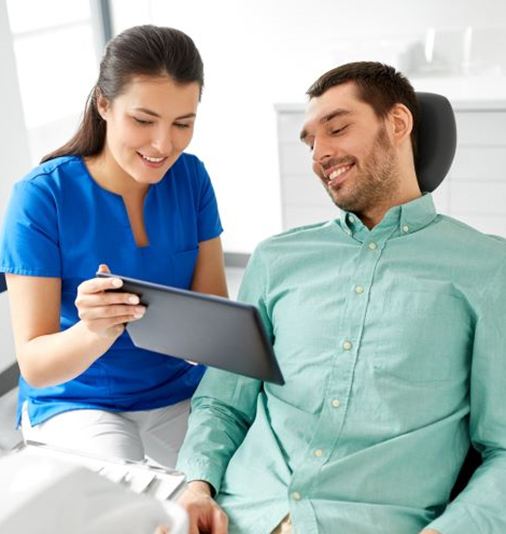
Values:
[(201, 328)]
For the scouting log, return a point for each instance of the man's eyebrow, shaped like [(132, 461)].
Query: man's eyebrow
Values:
[(327, 118), (334, 114), (154, 114)]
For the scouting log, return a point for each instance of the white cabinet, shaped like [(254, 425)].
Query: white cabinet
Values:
[(474, 190)]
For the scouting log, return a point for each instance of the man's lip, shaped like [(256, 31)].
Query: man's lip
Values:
[(339, 178)]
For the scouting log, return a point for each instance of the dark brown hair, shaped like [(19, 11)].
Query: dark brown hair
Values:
[(141, 50), (379, 85)]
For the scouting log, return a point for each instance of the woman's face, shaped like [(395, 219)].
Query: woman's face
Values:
[(148, 125)]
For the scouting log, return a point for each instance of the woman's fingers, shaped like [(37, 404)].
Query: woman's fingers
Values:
[(105, 312), (95, 285), (112, 311), (105, 298), (103, 268)]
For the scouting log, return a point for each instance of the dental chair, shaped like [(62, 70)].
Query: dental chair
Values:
[(436, 140), (9, 377)]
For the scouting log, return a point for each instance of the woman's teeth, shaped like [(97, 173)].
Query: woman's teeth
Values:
[(152, 160)]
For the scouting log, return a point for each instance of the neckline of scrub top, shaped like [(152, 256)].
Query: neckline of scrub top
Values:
[(119, 198)]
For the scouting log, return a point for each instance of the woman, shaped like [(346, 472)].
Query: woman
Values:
[(121, 194)]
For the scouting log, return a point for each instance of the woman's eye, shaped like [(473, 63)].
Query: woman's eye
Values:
[(181, 125), (141, 121)]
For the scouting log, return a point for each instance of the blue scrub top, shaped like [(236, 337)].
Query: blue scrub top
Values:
[(61, 223)]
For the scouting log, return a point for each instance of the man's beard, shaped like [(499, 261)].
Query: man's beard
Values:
[(375, 184)]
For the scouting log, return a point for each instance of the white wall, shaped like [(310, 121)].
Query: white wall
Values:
[(14, 156), (261, 52)]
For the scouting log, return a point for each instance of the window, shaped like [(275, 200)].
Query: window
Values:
[(54, 46)]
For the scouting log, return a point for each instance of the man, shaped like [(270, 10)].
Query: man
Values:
[(388, 324)]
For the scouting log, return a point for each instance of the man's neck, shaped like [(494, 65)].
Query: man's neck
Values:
[(375, 215)]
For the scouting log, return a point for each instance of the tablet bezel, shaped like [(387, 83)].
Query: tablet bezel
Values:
[(256, 328)]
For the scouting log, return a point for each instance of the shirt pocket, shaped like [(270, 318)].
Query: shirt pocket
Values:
[(427, 338)]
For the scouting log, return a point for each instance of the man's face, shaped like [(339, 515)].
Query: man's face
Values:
[(352, 153)]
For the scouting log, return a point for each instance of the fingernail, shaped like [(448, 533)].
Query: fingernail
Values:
[(133, 299), (116, 282)]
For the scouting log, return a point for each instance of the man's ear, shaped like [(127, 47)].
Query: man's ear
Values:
[(103, 104), (401, 122)]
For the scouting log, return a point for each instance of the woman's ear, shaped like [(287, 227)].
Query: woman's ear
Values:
[(401, 122), (102, 103)]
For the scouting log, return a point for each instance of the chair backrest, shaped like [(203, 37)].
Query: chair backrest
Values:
[(8, 377), (437, 140)]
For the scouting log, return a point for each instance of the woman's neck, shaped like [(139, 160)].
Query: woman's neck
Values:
[(105, 170)]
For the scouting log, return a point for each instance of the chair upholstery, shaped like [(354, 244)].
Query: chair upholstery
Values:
[(436, 144), (436, 140), (8, 377)]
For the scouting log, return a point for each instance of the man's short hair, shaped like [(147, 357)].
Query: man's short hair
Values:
[(379, 85)]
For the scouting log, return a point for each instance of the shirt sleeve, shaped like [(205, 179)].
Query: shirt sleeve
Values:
[(209, 223), (29, 243), (479, 508), (224, 405)]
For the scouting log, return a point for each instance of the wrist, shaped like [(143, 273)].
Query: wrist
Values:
[(96, 343), (201, 486)]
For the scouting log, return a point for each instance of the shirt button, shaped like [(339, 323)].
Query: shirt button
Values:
[(348, 231), (318, 453), (347, 345), (336, 403), (359, 290), (372, 245), (296, 496), (405, 228)]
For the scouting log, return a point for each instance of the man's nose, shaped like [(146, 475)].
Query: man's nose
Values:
[(322, 150)]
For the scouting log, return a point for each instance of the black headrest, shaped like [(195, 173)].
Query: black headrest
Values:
[(437, 140)]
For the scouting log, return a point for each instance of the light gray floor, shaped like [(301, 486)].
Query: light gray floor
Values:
[(9, 436)]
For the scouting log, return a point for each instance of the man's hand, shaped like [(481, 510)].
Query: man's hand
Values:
[(429, 531), (206, 517)]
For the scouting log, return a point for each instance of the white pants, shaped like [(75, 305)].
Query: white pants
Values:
[(153, 434)]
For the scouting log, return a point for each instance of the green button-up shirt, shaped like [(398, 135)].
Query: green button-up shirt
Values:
[(392, 342)]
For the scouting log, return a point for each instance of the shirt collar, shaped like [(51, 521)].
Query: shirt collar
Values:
[(406, 218)]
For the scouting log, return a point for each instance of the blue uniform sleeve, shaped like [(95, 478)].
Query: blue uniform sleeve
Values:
[(29, 243), (209, 224)]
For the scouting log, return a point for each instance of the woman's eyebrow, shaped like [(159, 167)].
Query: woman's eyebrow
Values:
[(154, 114), (148, 112)]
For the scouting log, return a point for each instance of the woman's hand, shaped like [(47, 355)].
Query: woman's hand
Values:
[(106, 312)]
